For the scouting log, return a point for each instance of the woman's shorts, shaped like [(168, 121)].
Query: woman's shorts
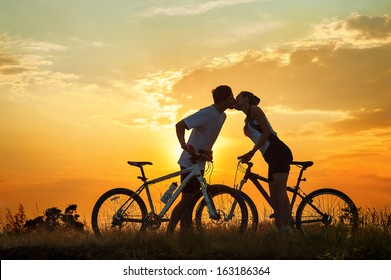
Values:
[(279, 158)]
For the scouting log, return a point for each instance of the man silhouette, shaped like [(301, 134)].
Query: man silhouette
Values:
[(205, 125)]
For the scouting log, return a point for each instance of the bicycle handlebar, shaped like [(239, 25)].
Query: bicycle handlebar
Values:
[(249, 163), (201, 154)]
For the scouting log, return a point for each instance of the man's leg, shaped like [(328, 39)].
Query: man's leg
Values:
[(186, 218), (180, 213)]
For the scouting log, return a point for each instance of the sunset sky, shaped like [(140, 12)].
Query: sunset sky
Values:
[(86, 85)]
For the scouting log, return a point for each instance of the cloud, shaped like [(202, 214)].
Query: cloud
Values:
[(364, 120), (376, 27), (340, 69), (25, 74), (79, 101), (26, 67), (7, 61), (12, 70), (159, 108), (190, 9), (356, 31), (35, 55), (18, 56)]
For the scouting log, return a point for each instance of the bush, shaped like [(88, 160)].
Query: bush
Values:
[(52, 220)]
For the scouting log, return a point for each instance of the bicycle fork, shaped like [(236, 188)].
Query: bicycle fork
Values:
[(232, 211), (213, 214)]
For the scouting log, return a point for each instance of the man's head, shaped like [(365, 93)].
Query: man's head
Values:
[(223, 96)]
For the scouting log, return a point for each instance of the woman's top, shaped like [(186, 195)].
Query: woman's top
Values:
[(254, 131)]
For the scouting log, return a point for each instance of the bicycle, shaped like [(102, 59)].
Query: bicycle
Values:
[(122, 209), (329, 207)]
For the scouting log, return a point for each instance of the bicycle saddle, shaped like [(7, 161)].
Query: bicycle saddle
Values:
[(139, 163), (303, 163)]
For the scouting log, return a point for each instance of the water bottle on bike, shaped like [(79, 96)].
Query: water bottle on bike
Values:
[(168, 194)]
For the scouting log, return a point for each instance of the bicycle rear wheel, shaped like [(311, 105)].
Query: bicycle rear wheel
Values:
[(327, 207), (118, 210), (253, 217), (223, 198)]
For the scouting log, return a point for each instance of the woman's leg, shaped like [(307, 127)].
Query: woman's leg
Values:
[(280, 201)]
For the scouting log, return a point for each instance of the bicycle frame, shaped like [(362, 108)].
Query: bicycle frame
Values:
[(255, 178), (348, 213), (194, 170)]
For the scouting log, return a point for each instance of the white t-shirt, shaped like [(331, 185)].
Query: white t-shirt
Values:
[(206, 125)]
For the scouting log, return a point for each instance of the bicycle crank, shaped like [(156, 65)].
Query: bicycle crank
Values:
[(153, 221), (117, 221)]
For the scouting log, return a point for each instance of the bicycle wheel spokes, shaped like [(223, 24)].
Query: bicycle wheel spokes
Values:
[(116, 210), (223, 200), (223, 203), (327, 207)]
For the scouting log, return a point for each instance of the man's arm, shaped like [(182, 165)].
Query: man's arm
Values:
[(180, 132)]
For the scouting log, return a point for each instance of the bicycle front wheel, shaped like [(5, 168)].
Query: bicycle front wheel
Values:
[(223, 199), (118, 210), (327, 207)]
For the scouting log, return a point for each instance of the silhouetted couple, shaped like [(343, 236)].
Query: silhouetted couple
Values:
[(206, 125)]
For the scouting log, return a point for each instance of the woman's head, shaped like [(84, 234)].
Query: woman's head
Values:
[(246, 99)]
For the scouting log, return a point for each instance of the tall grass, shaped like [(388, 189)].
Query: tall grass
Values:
[(375, 219), (371, 241)]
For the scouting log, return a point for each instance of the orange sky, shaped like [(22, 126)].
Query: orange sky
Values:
[(79, 99)]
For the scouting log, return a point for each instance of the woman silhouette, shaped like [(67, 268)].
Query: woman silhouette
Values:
[(277, 155)]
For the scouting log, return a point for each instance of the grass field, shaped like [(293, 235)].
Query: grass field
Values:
[(371, 241)]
